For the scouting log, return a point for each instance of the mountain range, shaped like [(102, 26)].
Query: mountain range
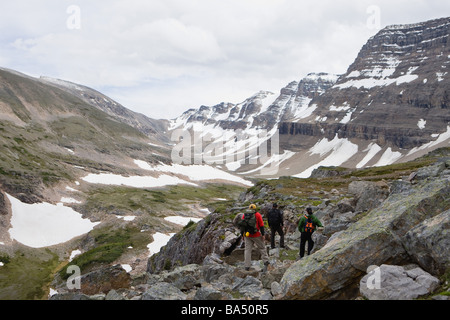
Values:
[(390, 106)]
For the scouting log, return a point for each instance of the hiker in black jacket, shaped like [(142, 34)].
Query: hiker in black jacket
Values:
[(275, 219)]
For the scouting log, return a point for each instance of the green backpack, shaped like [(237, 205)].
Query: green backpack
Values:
[(248, 223)]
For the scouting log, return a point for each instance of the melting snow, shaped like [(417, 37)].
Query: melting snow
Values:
[(126, 267), (440, 139), (421, 124), (379, 77), (74, 254), (194, 172), (371, 150), (341, 150), (69, 200), (388, 157), (43, 224), (134, 181), (182, 221), (160, 240)]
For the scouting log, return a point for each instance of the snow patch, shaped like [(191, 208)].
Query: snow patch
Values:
[(371, 150), (421, 124), (159, 241), (440, 139), (338, 150), (134, 181), (69, 200), (388, 157), (43, 224), (126, 218), (126, 267), (195, 172), (73, 254), (379, 76), (182, 221)]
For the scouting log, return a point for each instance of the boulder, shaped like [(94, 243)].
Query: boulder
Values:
[(368, 194), (184, 278), (389, 282), (213, 272), (105, 280), (428, 243), (207, 238), (163, 291), (375, 239), (430, 171), (208, 293)]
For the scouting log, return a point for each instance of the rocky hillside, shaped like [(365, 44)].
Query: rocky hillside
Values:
[(392, 220), (154, 129), (81, 174)]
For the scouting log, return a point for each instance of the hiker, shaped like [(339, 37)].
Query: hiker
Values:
[(252, 226), (275, 219), (307, 225)]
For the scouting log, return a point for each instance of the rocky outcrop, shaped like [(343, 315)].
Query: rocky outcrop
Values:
[(428, 243), (192, 245), (3, 204), (378, 238), (105, 280), (389, 282), (368, 195)]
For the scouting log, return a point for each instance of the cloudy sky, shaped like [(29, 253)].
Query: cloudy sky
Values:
[(162, 57)]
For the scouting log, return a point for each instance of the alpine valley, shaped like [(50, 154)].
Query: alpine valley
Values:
[(144, 208)]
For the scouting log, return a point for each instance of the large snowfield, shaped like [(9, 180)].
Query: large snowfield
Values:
[(44, 224)]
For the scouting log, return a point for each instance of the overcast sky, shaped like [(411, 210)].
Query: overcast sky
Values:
[(162, 57)]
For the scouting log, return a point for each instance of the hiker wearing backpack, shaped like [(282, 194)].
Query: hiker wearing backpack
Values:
[(275, 220), (252, 227), (307, 225)]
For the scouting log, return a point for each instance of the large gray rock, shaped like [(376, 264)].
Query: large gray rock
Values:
[(395, 283), (105, 280), (428, 243), (368, 194), (374, 240), (193, 244), (164, 291), (184, 278)]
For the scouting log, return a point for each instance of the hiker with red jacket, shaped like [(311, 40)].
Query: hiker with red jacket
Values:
[(307, 225), (254, 237)]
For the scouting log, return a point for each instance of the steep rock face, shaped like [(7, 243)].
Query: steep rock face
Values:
[(395, 93)]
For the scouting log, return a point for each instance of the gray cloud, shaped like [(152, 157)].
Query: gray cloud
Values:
[(161, 57)]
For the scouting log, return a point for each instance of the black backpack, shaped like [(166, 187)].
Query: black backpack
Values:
[(248, 223), (274, 217)]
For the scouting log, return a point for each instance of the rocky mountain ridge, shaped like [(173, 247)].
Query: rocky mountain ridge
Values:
[(395, 94)]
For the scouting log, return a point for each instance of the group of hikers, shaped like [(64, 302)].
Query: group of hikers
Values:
[(251, 225)]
